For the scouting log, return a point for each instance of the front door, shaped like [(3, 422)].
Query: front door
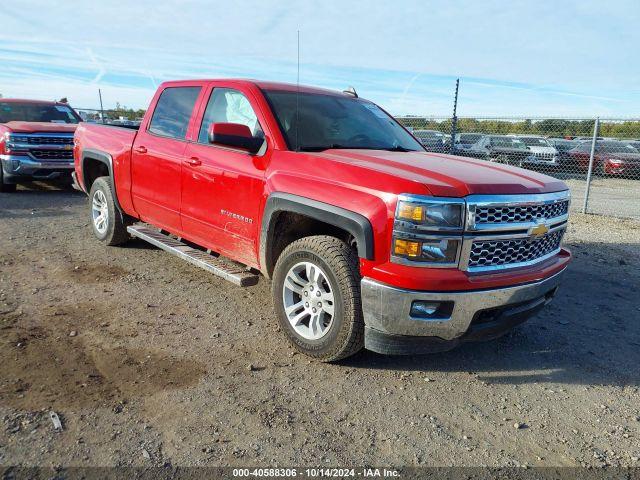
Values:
[(222, 187), (156, 158)]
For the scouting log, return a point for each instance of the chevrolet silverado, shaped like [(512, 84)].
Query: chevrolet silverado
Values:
[(368, 240), (36, 141)]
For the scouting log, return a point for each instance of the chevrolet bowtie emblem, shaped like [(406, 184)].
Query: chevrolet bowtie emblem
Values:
[(538, 231)]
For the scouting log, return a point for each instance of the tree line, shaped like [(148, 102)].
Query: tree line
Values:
[(549, 127)]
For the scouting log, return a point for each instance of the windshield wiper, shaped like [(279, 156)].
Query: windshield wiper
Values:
[(398, 148), (319, 148)]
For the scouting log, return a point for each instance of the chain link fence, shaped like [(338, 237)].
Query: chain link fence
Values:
[(117, 116), (598, 158)]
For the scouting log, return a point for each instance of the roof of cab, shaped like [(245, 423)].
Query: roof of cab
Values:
[(25, 100), (263, 85)]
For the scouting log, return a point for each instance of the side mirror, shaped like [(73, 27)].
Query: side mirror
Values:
[(234, 135)]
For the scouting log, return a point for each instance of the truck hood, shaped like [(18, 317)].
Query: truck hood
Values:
[(448, 175), (34, 127)]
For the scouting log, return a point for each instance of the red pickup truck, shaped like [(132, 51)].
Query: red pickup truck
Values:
[(36, 141), (369, 240)]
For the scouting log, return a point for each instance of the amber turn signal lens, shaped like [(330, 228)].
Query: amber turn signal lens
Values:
[(406, 248), (410, 212)]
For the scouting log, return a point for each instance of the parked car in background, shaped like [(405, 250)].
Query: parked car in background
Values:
[(369, 241), (501, 149), (634, 143), (564, 146), (36, 141), (611, 157), (464, 141), (544, 154), (432, 140)]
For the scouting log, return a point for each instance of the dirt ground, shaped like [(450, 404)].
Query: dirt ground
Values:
[(150, 361)]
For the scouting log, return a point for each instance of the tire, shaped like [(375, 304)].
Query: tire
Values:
[(6, 187), (101, 200), (603, 169), (338, 264)]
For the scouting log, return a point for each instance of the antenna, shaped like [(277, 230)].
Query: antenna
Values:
[(101, 109), (298, 96), (351, 91), (454, 120)]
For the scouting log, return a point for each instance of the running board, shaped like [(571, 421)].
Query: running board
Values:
[(234, 272)]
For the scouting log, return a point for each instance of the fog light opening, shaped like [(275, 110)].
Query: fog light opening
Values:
[(429, 310)]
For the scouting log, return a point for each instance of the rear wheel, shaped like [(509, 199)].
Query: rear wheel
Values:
[(603, 169), (106, 221), (316, 293), (6, 187)]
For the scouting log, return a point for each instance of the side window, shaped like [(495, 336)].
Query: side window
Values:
[(173, 111), (228, 106)]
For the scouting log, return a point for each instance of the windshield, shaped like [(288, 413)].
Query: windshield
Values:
[(428, 135), (37, 112), (469, 138), (332, 121), (563, 144), (616, 147), (507, 142), (535, 142)]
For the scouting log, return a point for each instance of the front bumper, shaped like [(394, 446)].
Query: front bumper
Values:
[(472, 315), (23, 167), (532, 160)]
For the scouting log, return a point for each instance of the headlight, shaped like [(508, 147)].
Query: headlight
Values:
[(437, 251), (428, 231), (432, 214)]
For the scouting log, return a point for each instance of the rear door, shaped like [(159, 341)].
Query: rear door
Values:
[(156, 158), (221, 186)]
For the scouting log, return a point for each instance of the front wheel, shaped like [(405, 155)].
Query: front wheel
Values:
[(316, 293), (106, 220)]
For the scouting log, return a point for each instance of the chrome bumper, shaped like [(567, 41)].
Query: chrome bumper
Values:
[(23, 165), (387, 309)]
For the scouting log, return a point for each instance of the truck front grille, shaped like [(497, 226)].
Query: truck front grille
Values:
[(512, 251), (545, 157), (506, 231), (35, 139), (42, 154), (520, 213)]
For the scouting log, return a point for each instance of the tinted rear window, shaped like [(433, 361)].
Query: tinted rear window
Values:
[(173, 112)]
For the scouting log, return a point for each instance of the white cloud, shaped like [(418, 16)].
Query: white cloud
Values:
[(514, 56)]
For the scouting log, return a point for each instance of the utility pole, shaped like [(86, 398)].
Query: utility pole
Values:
[(454, 120), (101, 109), (587, 188)]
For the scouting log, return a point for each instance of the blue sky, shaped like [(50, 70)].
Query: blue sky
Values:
[(521, 58)]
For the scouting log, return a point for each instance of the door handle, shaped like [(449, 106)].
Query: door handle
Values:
[(141, 149), (193, 161)]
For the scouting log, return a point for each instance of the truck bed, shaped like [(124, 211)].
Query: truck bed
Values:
[(113, 140)]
